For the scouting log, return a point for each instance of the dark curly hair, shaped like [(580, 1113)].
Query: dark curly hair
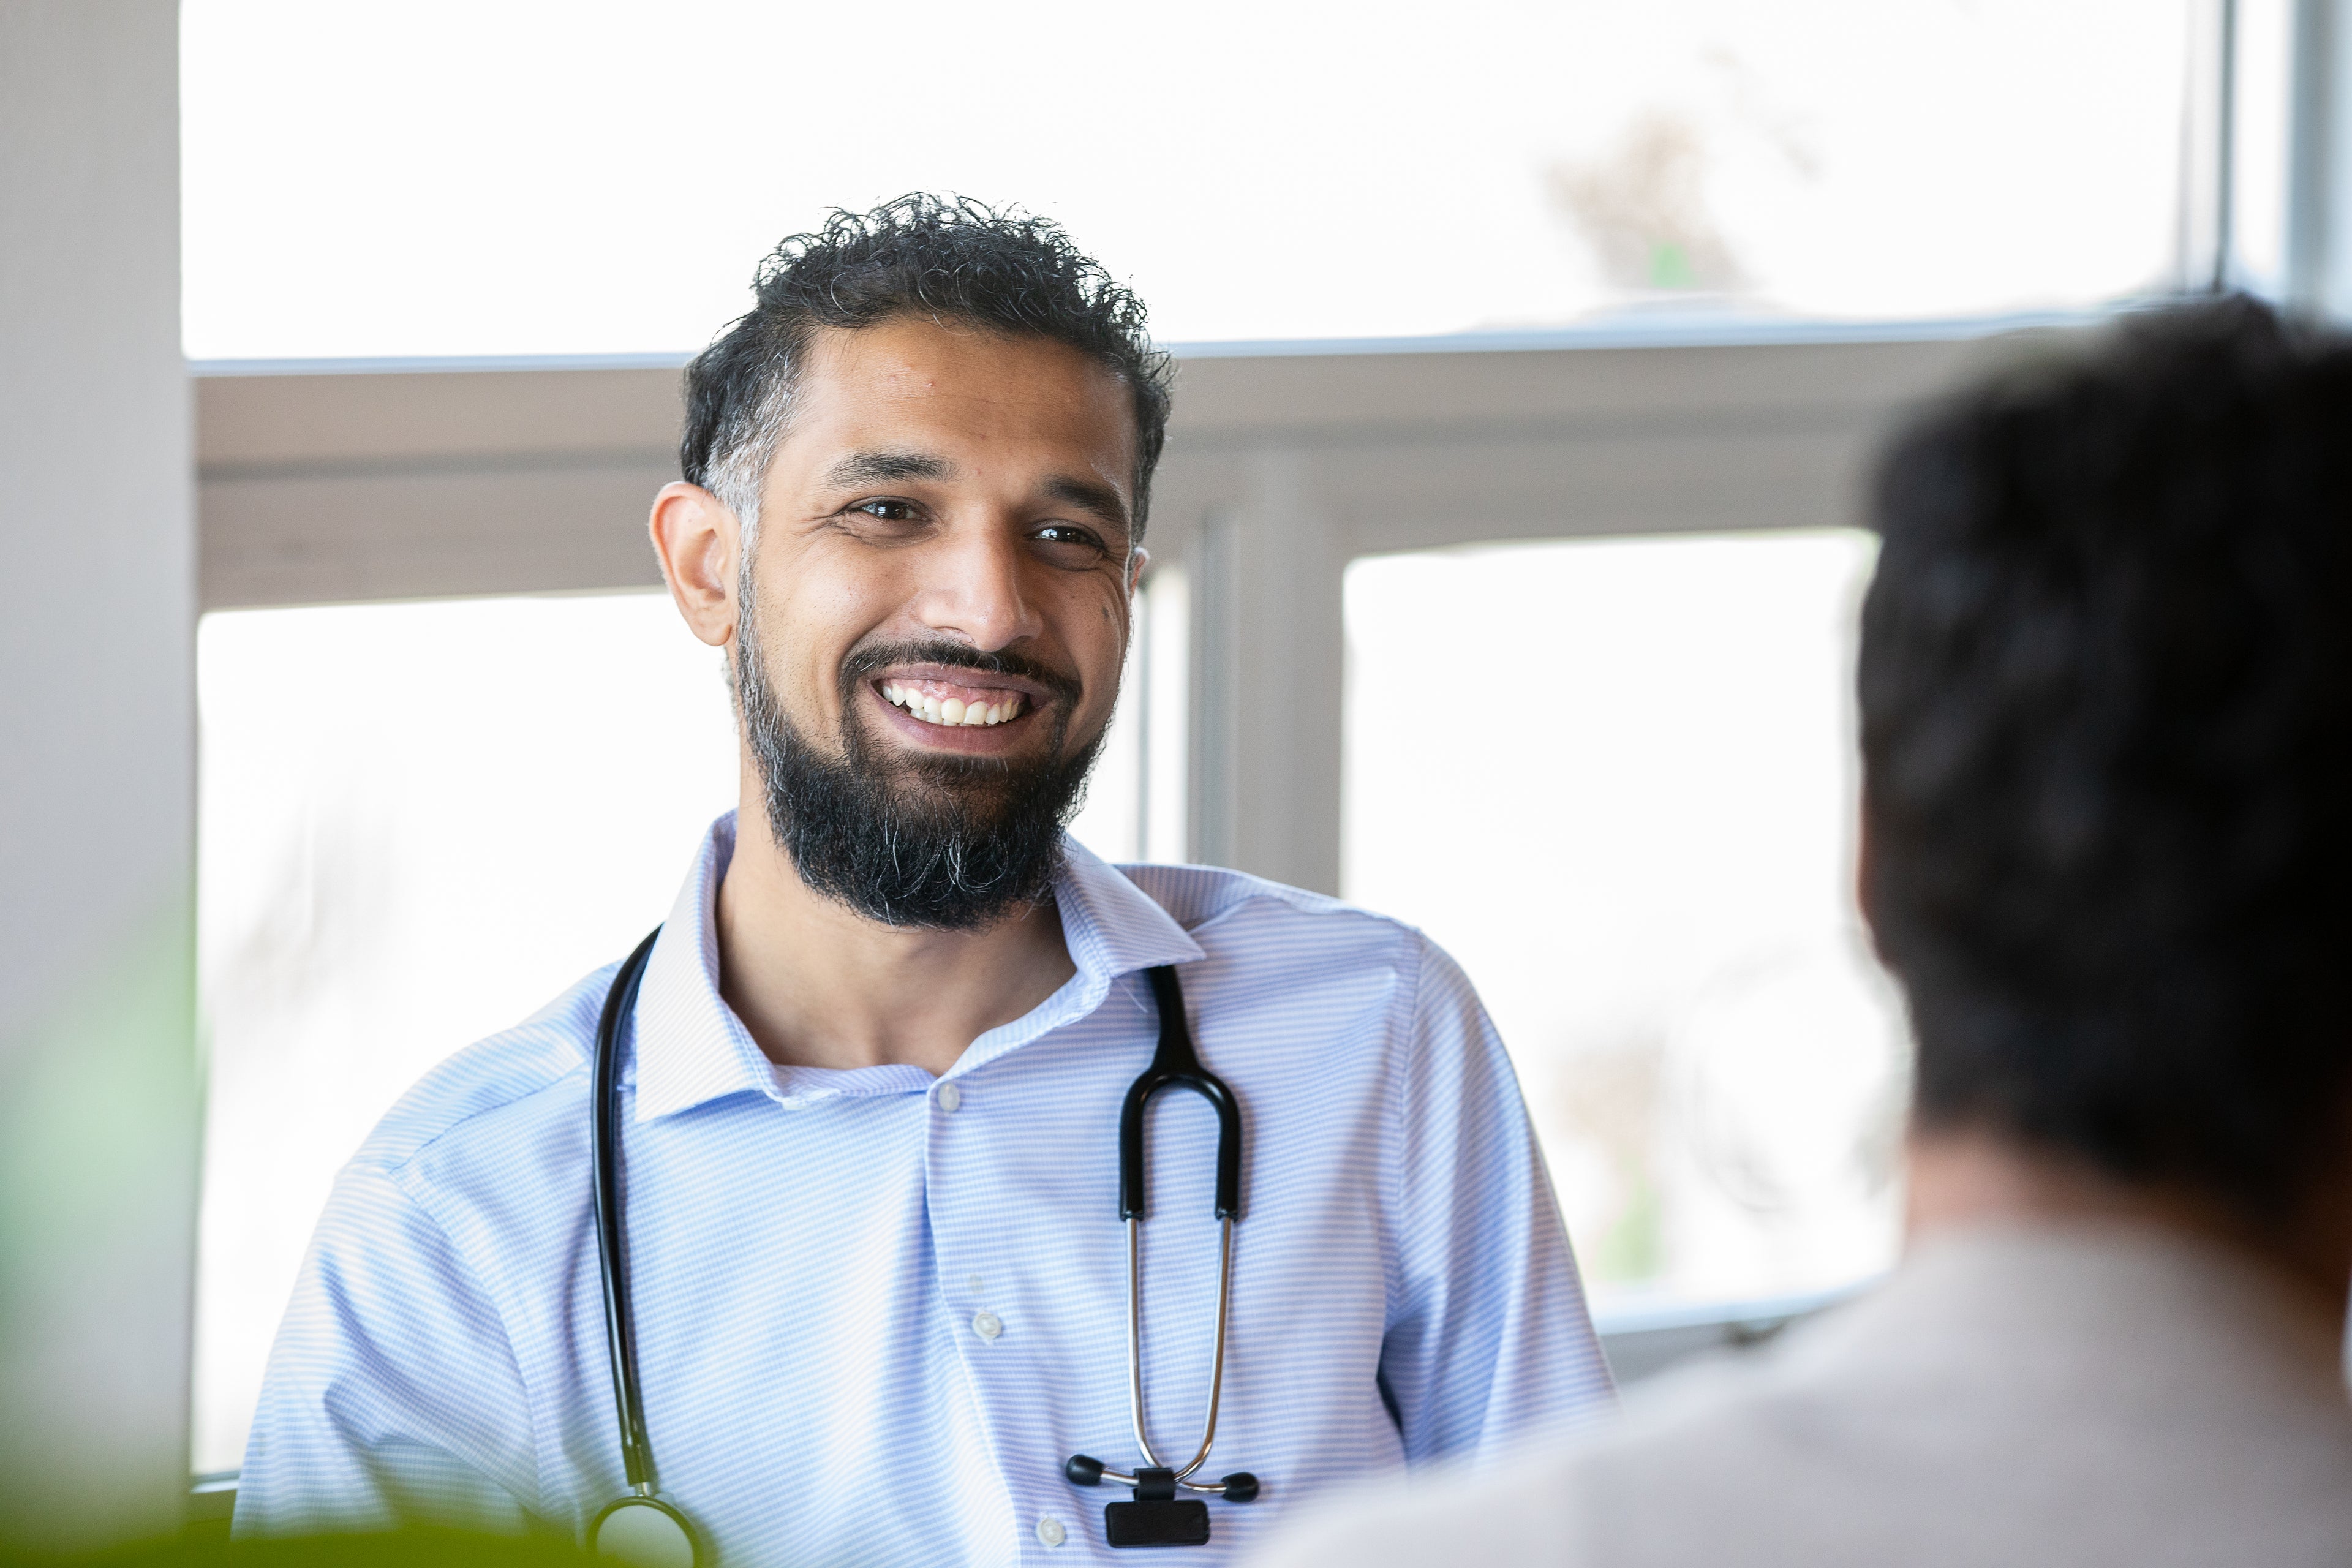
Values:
[(952, 259), (2106, 724)]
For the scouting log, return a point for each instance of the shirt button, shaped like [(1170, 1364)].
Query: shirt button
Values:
[(987, 1325), (1050, 1531), (948, 1096)]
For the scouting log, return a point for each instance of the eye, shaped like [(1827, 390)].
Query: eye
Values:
[(1067, 544), (886, 511)]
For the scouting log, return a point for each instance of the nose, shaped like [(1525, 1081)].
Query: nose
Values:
[(973, 589)]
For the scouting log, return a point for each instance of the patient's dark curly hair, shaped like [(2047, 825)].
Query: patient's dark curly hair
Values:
[(2107, 721), (918, 256)]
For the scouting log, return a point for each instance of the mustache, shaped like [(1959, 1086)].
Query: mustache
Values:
[(866, 662)]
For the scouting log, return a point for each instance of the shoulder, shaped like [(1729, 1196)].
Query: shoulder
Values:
[(1218, 907), (1651, 1479), (1517, 1512), (1721, 1417), (1265, 939), (545, 1057)]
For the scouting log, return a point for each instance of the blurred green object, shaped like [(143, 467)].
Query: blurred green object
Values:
[(394, 1549)]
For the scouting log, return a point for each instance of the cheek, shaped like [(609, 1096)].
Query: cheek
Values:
[(1100, 636), (811, 619)]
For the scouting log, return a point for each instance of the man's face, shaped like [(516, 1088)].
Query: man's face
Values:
[(940, 598)]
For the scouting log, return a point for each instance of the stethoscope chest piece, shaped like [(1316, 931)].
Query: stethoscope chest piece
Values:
[(1157, 1515), (644, 1533)]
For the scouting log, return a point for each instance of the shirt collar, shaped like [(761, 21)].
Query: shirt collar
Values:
[(1111, 926), (696, 1050), (690, 1046)]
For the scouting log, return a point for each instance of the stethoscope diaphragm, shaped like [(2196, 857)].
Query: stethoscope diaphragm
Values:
[(644, 1532)]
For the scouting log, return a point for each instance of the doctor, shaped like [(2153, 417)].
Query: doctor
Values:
[(867, 1104)]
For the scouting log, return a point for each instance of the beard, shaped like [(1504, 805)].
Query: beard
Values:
[(941, 842)]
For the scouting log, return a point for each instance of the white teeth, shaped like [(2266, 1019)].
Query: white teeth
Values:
[(953, 711)]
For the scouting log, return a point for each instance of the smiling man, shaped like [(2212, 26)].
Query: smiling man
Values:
[(860, 1292)]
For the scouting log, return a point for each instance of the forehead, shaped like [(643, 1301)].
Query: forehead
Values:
[(915, 379)]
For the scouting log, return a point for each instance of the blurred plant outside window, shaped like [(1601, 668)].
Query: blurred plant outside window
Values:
[(512, 176), (418, 823), (1633, 829)]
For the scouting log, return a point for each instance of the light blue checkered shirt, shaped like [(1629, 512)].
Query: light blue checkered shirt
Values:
[(816, 1255)]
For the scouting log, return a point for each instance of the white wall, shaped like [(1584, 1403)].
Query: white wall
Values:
[(98, 1090)]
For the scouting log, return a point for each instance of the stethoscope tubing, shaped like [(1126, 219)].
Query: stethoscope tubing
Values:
[(1176, 1064), (612, 1262)]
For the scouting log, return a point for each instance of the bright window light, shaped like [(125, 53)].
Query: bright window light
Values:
[(567, 177), (418, 823), (1624, 803)]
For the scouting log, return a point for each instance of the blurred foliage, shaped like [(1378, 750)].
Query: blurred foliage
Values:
[(1643, 209), (396, 1549)]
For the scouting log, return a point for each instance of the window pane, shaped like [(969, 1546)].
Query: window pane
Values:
[(418, 823), (522, 176), (1634, 832)]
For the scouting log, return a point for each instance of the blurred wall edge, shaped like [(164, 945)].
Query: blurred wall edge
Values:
[(98, 1081)]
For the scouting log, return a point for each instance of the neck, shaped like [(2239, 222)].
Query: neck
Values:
[(1963, 1178), (818, 985)]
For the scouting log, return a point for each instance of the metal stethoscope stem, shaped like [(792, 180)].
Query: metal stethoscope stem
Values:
[(1135, 1359)]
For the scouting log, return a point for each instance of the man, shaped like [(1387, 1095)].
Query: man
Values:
[(2107, 720), (871, 1085)]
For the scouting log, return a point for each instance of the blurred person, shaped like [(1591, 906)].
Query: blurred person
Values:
[(859, 1291), (2106, 686)]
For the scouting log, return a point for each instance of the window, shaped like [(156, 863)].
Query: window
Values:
[(1616, 781), (516, 176)]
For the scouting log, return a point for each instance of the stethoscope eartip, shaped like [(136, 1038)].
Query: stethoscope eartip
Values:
[(1240, 1486), (1085, 1472)]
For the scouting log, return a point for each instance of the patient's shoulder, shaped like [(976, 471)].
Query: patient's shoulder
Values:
[(1521, 1511), (1643, 1489)]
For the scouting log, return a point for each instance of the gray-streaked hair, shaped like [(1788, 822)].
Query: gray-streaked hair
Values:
[(949, 259)]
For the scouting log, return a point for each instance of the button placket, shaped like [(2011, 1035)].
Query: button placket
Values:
[(947, 1097)]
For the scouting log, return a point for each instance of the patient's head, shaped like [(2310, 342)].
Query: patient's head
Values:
[(2106, 719)]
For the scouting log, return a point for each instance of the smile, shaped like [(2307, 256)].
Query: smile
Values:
[(947, 705)]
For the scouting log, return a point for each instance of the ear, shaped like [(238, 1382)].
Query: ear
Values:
[(698, 540), (1136, 559)]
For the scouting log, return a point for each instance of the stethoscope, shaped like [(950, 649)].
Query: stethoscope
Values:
[(642, 1528)]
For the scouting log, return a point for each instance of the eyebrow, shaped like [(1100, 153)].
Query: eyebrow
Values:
[(881, 468), (1097, 497)]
